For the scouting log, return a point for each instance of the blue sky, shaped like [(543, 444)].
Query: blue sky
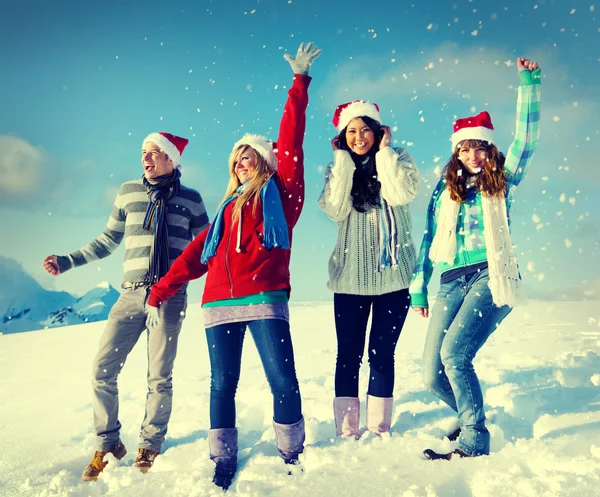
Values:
[(84, 82)]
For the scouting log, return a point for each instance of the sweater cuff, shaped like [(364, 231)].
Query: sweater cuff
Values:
[(154, 300), (342, 161), (386, 160), (301, 80), (386, 156), (419, 300), (528, 77), (64, 263)]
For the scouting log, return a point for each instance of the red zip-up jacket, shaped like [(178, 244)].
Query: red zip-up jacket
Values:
[(254, 269)]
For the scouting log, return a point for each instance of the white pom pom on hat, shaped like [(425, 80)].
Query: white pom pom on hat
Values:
[(477, 127), (170, 144), (262, 145)]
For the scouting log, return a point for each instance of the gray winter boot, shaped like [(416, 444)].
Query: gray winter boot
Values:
[(290, 440), (379, 414), (347, 416), (223, 446)]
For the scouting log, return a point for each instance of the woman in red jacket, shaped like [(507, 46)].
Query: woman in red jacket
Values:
[(246, 253)]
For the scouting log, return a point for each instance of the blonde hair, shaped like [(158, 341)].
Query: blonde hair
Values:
[(252, 191)]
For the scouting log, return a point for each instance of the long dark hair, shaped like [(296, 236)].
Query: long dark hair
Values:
[(490, 181), (365, 185)]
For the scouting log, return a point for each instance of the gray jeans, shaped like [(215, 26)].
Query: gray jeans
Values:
[(126, 322)]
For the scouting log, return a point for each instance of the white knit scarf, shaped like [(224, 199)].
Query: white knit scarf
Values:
[(504, 283)]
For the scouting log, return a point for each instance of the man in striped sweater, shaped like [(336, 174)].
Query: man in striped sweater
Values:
[(157, 217)]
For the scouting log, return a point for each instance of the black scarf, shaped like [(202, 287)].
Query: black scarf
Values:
[(164, 188)]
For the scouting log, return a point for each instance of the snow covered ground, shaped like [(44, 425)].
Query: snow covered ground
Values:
[(540, 371)]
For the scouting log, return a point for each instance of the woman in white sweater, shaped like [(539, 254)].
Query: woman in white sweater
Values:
[(368, 187)]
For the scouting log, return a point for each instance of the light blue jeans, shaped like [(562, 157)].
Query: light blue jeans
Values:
[(462, 319), (126, 322)]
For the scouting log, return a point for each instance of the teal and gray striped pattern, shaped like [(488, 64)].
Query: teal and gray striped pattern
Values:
[(185, 219)]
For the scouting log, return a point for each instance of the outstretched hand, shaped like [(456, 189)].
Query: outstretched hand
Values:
[(304, 58), (523, 63), (50, 264), (152, 316)]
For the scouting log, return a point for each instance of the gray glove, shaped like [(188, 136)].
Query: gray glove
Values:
[(152, 317), (306, 54)]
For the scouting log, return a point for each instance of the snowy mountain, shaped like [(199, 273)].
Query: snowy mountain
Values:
[(25, 305)]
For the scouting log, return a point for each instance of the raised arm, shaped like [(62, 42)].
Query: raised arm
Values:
[(527, 131), (99, 248), (290, 155)]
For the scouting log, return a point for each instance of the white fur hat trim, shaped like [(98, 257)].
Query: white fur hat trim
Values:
[(263, 146), (475, 133), (166, 146), (357, 109)]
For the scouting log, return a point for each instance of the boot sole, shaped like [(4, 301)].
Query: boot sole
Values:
[(434, 456), (89, 478)]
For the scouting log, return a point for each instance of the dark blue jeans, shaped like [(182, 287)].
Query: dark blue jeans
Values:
[(351, 316), (274, 345)]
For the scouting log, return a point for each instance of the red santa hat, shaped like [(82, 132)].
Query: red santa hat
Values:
[(170, 144), (265, 148), (344, 113), (477, 127)]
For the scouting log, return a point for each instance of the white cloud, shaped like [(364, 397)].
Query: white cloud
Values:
[(462, 72), (449, 73), (472, 80), (32, 179), (21, 167)]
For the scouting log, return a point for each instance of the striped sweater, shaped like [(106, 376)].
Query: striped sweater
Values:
[(354, 264), (186, 217), (470, 240)]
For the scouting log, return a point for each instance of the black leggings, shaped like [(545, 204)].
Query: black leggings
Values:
[(351, 316)]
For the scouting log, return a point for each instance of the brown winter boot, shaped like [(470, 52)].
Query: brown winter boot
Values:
[(98, 463), (145, 459)]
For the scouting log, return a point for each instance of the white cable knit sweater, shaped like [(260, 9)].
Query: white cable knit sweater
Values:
[(354, 263)]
